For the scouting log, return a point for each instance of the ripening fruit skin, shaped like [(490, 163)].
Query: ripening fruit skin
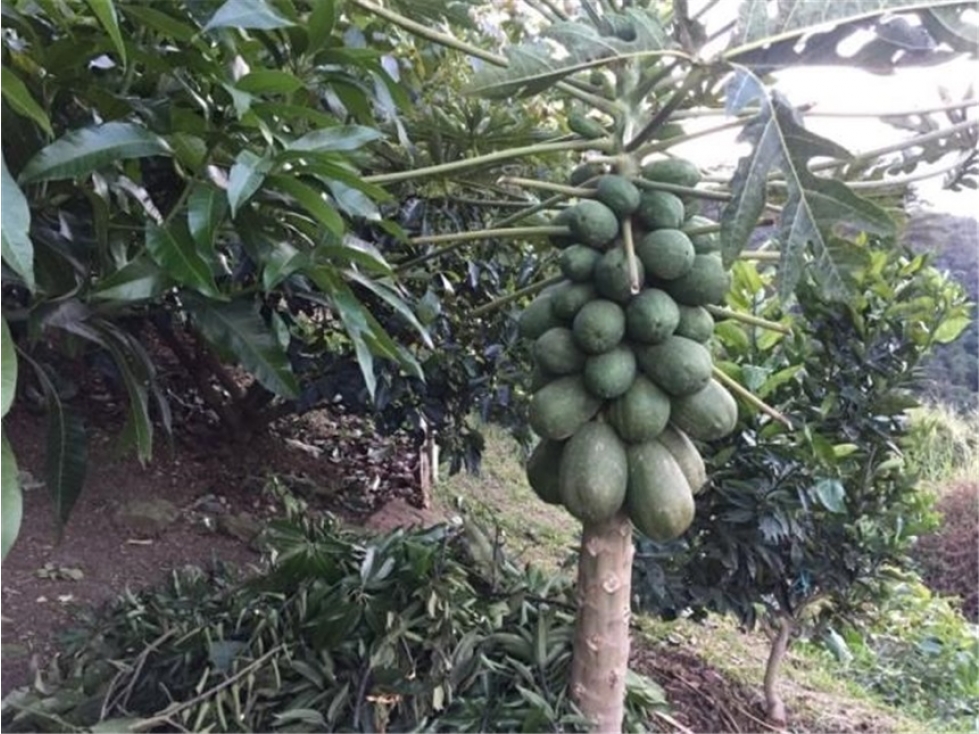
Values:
[(593, 224), (569, 297), (660, 210), (666, 253), (556, 352), (612, 278), (658, 497), (708, 414), (542, 470), (672, 171), (538, 317), (706, 242), (599, 326), (679, 365), (695, 323), (619, 194), (561, 407), (610, 374), (594, 473), (578, 262), (641, 413), (651, 317)]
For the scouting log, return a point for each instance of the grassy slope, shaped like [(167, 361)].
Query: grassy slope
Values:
[(540, 533)]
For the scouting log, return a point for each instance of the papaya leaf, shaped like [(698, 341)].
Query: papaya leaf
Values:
[(811, 33), (250, 14), (15, 224), (814, 206), (235, 328), (8, 368), (21, 100), (570, 47), (175, 251), (11, 501), (85, 150), (105, 11)]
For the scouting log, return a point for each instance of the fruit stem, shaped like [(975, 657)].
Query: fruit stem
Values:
[(681, 190), (482, 160), (459, 239), (515, 295), (676, 99), (630, 255), (532, 183), (670, 142), (524, 213), (759, 256), (749, 397), (747, 318)]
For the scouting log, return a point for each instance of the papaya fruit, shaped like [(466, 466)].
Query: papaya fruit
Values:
[(690, 461), (561, 219), (707, 282), (672, 171), (651, 317), (561, 407), (610, 374), (577, 263), (586, 127), (584, 172), (704, 243), (538, 317), (708, 414), (568, 299), (660, 210), (641, 413), (593, 224), (619, 194), (612, 279), (666, 253), (542, 469), (598, 326), (594, 473), (695, 323), (659, 500), (556, 352), (679, 365)]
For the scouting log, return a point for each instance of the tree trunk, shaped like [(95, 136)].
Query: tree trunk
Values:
[(601, 645), (774, 705)]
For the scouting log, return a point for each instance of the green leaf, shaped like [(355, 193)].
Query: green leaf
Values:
[(831, 495), (311, 200), (140, 279), (237, 329), (269, 81), (319, 25), (83, 151), (206, 207), (391, 297), (15, 227), (247, 14), (136, 376), (814, 206), (105, 11), (950, 329), (336, 138), (353, 201), (8, 368), (175, 251), (161, 22), (11, 501), (245, 178), (21, 101), (571, 47)]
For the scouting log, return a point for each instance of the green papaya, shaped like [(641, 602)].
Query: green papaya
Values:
[(612, 278), (610, 374), (660, 210), (561, 407), (543, 467), (585, 172), (659, 500), (556, 352), (679, 365), (538, 317), (695, 323), (641, 413), (690, 461), (619, 194), (666, 253), (704, 243), (651, 317), (598, 326), (706, 283), (708, 414), (568, 299), (593, 224), (672, 171), (578, 262), (594, 473)]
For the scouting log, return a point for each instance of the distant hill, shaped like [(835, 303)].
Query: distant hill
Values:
[(952, 373)]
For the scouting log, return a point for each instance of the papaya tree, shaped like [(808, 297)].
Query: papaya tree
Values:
[(623, 379)]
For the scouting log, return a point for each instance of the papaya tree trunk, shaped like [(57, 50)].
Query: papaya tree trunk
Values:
[(601, 644), (774, 705)]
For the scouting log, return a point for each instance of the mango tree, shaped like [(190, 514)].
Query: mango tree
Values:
[(623, 376)]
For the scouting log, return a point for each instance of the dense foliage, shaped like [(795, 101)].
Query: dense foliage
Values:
[(412, 631)]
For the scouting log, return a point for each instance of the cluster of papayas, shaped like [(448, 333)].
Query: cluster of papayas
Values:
[(622, 375)]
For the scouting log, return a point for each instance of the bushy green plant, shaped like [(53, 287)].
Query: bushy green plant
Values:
[(943, 444), (916, 651), (424, 631)]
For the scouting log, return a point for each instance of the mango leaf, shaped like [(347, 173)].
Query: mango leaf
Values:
[(950, 329), (246, 176), (137, 374), (105, 11), (21, 101), (353, 201), (814, 206), (247, 14), (831, 495), (161, 22), (83, 151), (175, 251), (571, 47), (140, 279), (8, 368), (15, 225), (336, 138), (319, 24), (269, 81), (311, 200), (391, 297), (206, 207), (235, 328), (11, 501), (812, 33)]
